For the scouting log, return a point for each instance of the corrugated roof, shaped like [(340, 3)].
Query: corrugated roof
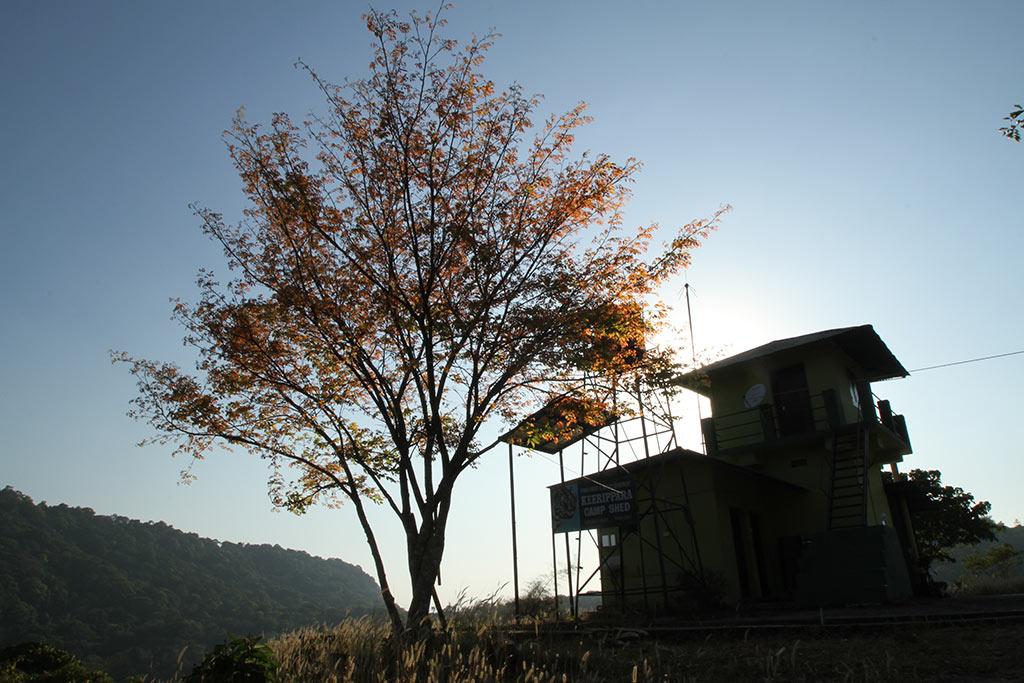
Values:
[(861, 343), (681, 454)]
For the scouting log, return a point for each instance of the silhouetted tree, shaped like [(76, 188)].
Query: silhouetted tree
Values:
[(411, 266), (944, 516), (1015, 121)]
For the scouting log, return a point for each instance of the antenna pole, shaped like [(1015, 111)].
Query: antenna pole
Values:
[(693, 356)]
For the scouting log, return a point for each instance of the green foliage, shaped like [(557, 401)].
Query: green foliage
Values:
[(1015, 121), (133, 595), (239, 659), (955, 573), (536, 601), (41, 663), (999, 561), (944, 516)]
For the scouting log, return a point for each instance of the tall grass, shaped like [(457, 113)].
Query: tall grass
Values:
[(362, 650), (989, 585)]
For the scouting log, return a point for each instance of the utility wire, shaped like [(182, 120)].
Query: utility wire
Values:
[(970, 360)]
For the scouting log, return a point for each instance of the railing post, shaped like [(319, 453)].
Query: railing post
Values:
[(767, 422), (832, 413), (867, 402), (707, 427), (900, 423), (885, 413)]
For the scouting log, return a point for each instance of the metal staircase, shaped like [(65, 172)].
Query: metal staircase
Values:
[(848, 493)]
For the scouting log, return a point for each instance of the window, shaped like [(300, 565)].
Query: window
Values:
[(608, 540)]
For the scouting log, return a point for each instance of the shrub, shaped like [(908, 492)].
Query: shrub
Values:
[(239, 659), (43, 663)]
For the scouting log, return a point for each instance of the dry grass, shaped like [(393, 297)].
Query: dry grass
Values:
[(987, 585), (362, 650)]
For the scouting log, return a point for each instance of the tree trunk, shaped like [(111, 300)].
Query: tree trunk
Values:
[(426, 551), (378, 563)]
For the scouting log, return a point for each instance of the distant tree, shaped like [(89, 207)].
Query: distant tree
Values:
[(1015, 121), (945, 516), (1000, 561), (411, 267)]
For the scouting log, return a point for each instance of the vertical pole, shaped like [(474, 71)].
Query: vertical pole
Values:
[(554, 574), (643, 564), (515, 545), (579, 534), (867, 467), (661, 552), (622, 568), (652, 490), (693, 356), (615, 411), (688, 516), (643, 418), (671, 420), (568, 557)]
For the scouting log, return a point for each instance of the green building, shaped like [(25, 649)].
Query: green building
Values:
[(788, 503)]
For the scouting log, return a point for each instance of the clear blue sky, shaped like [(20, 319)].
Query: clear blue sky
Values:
[(856, 141)]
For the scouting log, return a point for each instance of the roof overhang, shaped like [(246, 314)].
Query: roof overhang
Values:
[(874, 360)]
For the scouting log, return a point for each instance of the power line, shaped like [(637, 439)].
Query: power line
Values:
[(970, 360)]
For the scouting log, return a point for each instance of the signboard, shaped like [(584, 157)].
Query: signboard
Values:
[(582, 505)]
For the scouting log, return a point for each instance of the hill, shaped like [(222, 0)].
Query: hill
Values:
[(127, 595), (951, 571)]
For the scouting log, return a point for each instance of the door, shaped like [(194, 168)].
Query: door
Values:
[(792, 400)]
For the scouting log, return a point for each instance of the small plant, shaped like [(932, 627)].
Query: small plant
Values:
[(239, 659)]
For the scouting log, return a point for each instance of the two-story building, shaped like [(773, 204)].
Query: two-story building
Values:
[(787, 503)]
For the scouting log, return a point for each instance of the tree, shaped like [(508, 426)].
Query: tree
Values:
[(999, 561), (944, 516), (1015, 121), (410, 267)]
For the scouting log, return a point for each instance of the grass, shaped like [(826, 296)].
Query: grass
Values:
[(361, 650), (987, 585)]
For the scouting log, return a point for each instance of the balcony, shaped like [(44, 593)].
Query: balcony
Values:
[(799, 417)]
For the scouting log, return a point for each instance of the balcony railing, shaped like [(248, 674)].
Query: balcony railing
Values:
[(798, 414)]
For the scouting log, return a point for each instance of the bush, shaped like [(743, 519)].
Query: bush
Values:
[(239, 659), (42, 663)]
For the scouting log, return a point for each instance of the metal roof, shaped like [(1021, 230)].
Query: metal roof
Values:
[(681, 455), (541, 431), (861, 343)]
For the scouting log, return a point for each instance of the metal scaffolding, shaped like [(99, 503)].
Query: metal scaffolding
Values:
[(636, 441)]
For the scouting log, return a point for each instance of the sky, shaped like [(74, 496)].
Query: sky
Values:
[(857, 143)]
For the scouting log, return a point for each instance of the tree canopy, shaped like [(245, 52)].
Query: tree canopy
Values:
[(1014, 123), (944, 516), (414, 262)]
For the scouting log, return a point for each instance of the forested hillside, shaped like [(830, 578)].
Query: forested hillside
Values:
[(951, 571), (128, 595)]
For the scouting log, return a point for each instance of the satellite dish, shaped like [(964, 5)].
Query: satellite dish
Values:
[(755, 395)]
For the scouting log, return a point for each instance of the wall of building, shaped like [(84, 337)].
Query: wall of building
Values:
[(767, 512), (878, 504), (826, 368)]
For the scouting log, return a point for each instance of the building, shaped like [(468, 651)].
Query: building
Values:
[(788, 503)]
